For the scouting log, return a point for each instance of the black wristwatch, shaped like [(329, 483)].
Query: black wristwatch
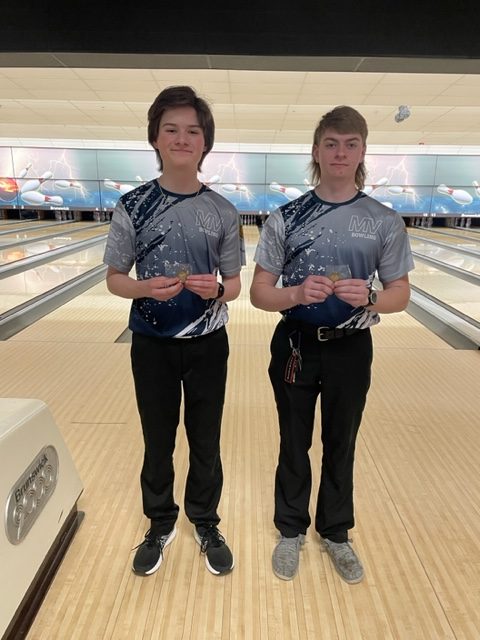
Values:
[(221, 291), (372, 298)]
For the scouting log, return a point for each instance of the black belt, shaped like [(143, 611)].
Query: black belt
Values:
[(321, 333)]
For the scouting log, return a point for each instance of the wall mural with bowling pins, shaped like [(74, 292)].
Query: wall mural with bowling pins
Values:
[(94, 179), (8, 184), (121, 171), (236, 176)]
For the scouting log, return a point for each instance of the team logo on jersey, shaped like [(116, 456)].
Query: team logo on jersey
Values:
[(208, 222), (364, 227)]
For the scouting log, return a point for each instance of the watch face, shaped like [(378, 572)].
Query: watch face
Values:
[(372, 297)]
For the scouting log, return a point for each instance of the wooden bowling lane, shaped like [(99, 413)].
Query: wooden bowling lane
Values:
[(417, 520)]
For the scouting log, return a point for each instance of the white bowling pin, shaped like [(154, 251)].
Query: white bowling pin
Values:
[(477, 187), (290, 192), (123, 188), (458, 195), (24, 172), (369, 189), (396, 190), (213, 180), (66, 184), (31, 185), (36, 197), (231, 188)]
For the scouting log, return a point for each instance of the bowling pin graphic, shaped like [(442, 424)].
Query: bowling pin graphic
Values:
[(476, 187), (396, 190), (24, 171), (38, 198), (117, 186), (369, 189), (32, 185), (290, 192), (213, 180), (458, 195), (231, 188), (67, 184)]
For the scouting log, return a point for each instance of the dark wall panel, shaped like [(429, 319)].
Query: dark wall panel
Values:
[(294, 28)]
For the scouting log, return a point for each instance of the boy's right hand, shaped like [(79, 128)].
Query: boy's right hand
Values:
[(162, 288), (314, 289)]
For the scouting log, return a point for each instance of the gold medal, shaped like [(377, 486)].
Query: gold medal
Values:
[(182, 275), (335, 276), (336, 272)]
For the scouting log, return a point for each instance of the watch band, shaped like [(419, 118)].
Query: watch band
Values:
[(372, 297), (221, 291)]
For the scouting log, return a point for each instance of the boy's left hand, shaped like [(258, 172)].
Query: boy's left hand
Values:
[(353, 291), (204, 285)]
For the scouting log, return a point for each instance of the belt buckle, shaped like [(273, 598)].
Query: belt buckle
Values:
[(319, 334)]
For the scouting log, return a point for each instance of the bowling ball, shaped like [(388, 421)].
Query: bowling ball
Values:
[(8, 189)]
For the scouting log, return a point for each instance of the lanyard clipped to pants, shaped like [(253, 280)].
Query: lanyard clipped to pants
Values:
[(294, 362)]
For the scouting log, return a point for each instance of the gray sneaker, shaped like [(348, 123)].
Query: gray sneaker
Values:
[(286, 556), (344, 560)]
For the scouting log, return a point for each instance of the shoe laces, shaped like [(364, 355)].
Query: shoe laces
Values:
[(152, 540), (343, 550), (211, 537), (292, 543)]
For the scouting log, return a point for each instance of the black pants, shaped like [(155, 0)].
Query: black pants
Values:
[(338, 370), (160, 368)]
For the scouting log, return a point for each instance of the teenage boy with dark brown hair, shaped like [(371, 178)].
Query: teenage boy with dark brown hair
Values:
[(181, 236)]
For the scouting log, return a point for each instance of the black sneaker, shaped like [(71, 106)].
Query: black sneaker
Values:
[(218, 557), (149, 554)]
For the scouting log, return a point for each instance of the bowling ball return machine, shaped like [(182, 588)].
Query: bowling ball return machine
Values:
[(39, 489)]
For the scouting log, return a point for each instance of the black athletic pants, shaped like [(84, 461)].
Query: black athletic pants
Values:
[(338, 370), (160, 368)]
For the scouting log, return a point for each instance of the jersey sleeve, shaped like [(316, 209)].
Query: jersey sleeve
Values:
[(396, 259), (120, 247), (270, 251), (232, 254)]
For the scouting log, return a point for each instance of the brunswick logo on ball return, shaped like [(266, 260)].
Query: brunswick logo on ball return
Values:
[(30, 494)]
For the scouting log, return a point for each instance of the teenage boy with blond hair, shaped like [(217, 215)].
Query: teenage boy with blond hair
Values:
[(326, 247)]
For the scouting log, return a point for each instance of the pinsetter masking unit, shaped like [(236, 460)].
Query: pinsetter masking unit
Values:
[(39, 489)]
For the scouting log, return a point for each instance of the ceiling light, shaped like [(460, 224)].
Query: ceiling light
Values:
[(403, 113)]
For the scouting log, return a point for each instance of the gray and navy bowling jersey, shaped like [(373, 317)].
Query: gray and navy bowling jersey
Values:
[(156, 230), (304, 236)]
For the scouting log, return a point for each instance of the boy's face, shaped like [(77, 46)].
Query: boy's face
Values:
[(339, 154), (180, 140)]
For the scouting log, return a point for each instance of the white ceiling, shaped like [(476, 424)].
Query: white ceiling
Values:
[(41, 104)]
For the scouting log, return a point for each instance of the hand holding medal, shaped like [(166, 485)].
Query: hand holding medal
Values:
[(178, 270), (337, 272)]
